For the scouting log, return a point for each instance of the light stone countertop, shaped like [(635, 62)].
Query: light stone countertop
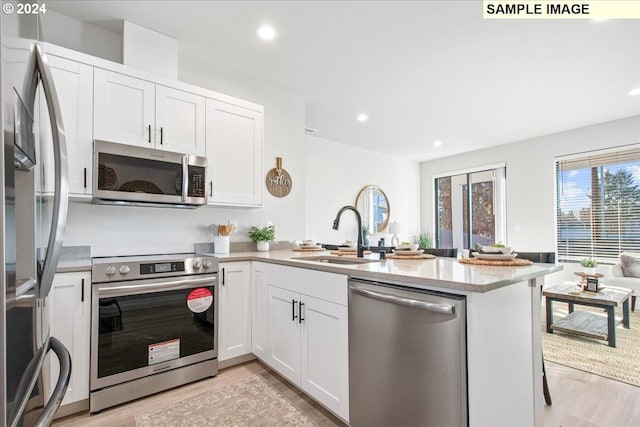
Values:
[(444, 273), (74, 258)]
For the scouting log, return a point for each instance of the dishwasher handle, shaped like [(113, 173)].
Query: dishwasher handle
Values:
[(407, 302)]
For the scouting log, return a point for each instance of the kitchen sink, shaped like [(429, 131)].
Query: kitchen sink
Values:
[(336, 259)]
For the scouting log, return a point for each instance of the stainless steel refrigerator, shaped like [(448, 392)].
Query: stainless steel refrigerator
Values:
[(32, 226)]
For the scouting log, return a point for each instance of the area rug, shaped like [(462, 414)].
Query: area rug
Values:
[(621, 363), (250, 402)]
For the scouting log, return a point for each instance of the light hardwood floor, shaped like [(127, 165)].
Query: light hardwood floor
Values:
[(579, 399)]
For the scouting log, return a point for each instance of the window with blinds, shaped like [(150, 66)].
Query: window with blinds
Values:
[(598, 205)]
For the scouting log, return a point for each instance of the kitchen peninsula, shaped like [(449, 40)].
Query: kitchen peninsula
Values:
[(503, 343)]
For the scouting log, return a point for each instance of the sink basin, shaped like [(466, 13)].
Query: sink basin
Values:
[(337, 259)]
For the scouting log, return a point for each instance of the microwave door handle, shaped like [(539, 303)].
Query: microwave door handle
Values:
[(185, 178), (61, 192), (46, 416)]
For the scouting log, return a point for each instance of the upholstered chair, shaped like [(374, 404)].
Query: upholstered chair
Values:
[(626, 274)]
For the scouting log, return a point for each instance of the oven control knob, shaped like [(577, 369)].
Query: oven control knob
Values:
[(206, 263), (124, 269), (196, 264), (110, 270)]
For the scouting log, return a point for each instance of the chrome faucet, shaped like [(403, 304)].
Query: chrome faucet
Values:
[(336, 224)]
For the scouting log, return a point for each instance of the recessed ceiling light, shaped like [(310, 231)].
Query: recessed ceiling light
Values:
[(362, 118), (635, 91), (437, 144), (266, 32)]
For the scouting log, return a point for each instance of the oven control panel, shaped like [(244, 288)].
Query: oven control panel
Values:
[(161, 267), (132, 268)]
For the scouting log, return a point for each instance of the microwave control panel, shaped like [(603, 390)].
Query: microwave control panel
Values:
[(196, 182)]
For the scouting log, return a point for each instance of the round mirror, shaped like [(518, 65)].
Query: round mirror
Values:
[(374, 208)]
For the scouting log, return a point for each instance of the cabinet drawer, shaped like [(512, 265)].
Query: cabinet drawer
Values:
[(319, 284)]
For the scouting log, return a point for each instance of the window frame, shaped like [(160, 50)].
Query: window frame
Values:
[(500, 209), (585, 156)]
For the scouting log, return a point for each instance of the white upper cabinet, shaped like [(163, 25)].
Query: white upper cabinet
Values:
[(124, 109), (133, 111), (180, 120), (74, 86), (234, 154)]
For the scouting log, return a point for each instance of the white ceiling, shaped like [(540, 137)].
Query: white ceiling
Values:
[(422, 70)]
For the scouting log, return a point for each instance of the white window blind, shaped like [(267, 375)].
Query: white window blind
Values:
[(598, 205)]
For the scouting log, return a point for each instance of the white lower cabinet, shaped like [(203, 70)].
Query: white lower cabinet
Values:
[(234, 320), (70, 315), (306, 336)]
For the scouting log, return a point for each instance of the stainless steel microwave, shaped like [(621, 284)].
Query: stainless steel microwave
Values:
[(130, 175)]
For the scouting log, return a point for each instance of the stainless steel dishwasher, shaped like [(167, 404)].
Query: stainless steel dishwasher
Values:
[(407, 356)]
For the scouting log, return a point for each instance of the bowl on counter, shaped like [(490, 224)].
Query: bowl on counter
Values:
[(407, 246), (497, 250)]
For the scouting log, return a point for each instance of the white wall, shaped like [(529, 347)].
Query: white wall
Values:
[(336, 172), (530, 178), (81, 36)]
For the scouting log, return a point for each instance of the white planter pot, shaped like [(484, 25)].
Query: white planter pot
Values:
[(263, 246), (589, 270)]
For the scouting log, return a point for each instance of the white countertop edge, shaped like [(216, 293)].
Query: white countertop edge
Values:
[(447, 271)]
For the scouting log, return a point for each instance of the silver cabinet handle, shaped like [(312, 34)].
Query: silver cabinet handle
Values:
[(407, 302), (39, 66)]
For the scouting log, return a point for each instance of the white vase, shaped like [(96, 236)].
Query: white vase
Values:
[(263, 246), (589, 270)]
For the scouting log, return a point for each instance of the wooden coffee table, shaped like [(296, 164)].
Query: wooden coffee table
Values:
[(584, 322)]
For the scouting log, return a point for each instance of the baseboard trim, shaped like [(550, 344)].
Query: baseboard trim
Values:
[(222, 364)]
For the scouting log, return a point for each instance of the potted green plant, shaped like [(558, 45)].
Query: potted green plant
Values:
[(425, 241), (589, 265), (262, 236)]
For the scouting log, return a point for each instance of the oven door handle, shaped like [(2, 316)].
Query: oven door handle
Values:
[(171, 285)]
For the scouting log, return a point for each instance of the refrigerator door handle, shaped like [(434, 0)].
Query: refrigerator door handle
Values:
[(30, 377), (407, 302), (60, 389), (40, 66), (27, 383)]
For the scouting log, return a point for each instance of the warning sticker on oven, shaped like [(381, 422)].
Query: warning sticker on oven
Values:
[(164, 351), (199, 300)]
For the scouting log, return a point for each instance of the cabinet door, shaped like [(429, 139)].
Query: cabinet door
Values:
[(179, 121), (284, 332), (69, 315), (234, 317), (234, 152), (74, 86), (259, 316), (124, 109), (324, 356)]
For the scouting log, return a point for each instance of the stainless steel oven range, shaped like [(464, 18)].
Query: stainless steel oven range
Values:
[(154, 325)]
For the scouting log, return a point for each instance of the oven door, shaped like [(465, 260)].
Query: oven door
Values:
[(142, 327)]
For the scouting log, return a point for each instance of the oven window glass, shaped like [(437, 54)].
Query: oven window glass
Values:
[(130, 325), (130, 174)]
